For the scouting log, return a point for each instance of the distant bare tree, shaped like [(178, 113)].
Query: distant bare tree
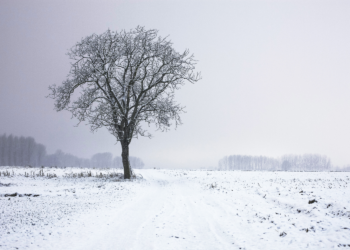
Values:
[(125, 78)]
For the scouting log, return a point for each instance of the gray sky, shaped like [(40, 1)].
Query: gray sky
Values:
[(276, 76)]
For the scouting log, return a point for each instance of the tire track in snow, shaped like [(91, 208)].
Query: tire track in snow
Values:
[(175, 212), (170, 213)]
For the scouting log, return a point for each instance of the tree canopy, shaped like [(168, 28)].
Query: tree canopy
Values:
[(125, 78)]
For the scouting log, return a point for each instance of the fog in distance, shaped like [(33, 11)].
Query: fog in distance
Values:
[(275, 76)]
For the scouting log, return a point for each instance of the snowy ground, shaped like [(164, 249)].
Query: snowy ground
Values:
[(171, 209)]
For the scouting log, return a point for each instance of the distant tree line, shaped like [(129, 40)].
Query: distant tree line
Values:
[(20, 151), (24, 151), (102, 160), (345, 168), (306, 162)]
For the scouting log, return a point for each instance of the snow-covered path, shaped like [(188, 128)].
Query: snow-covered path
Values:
[(175, 210), (169, 213), (172, 209)]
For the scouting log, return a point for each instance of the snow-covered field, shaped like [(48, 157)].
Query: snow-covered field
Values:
[(174, 209)]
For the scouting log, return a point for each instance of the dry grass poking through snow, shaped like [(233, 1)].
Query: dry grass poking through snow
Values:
[(40, 202), (297, 207), (240, 210)]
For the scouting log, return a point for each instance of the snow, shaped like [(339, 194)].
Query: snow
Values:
[(176, 209)]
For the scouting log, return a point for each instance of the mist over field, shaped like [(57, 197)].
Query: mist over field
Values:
[(161, 124), (26, 152), (274, 77)]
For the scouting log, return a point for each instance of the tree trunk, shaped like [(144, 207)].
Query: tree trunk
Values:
[(125, 158)]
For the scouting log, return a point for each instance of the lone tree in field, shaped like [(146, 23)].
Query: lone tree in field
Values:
[(123, 79)]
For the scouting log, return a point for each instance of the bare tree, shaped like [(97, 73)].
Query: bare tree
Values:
[(125, 78)]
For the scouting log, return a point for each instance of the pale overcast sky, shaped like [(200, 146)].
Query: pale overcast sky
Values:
[(276, 76)]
